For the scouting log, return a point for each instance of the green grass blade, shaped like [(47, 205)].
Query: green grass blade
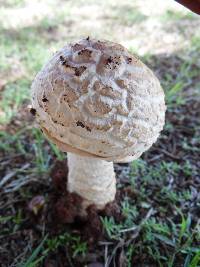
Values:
[(196, 260), (165, 240), (30, 260)]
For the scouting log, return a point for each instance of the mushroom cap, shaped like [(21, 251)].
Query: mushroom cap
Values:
[(96, 99)]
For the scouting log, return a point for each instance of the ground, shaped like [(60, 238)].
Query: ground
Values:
[(155, 218)]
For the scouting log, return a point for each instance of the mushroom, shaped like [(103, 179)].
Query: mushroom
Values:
[(101, 104)]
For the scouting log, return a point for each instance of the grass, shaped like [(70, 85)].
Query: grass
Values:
[(33, 260), (72, 242), (128, 15), (153, 233), (12, 97), (172, 15), (159, 194), (14, 3)]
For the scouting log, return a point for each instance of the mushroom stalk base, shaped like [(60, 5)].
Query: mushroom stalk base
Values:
[(92, 179)]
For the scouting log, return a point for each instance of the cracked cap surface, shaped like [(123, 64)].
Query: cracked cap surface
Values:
[(96, 99)]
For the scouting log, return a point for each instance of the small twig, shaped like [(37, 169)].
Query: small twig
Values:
[(105, 243), (119, 245), (122, 242), (8, 176), (148, 215), (129, 229), (10, 203), (20, 256), (169, 154), (106, 253), (15, 185), (154, 158), (6, 160)]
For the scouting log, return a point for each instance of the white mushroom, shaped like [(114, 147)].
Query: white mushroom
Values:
[(99, 103)]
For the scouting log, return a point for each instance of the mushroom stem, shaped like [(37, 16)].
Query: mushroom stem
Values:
[(93, 179)]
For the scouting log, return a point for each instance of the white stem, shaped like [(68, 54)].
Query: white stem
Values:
[(93, 179)]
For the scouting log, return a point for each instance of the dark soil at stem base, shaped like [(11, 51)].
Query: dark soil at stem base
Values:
[(65, 207)]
